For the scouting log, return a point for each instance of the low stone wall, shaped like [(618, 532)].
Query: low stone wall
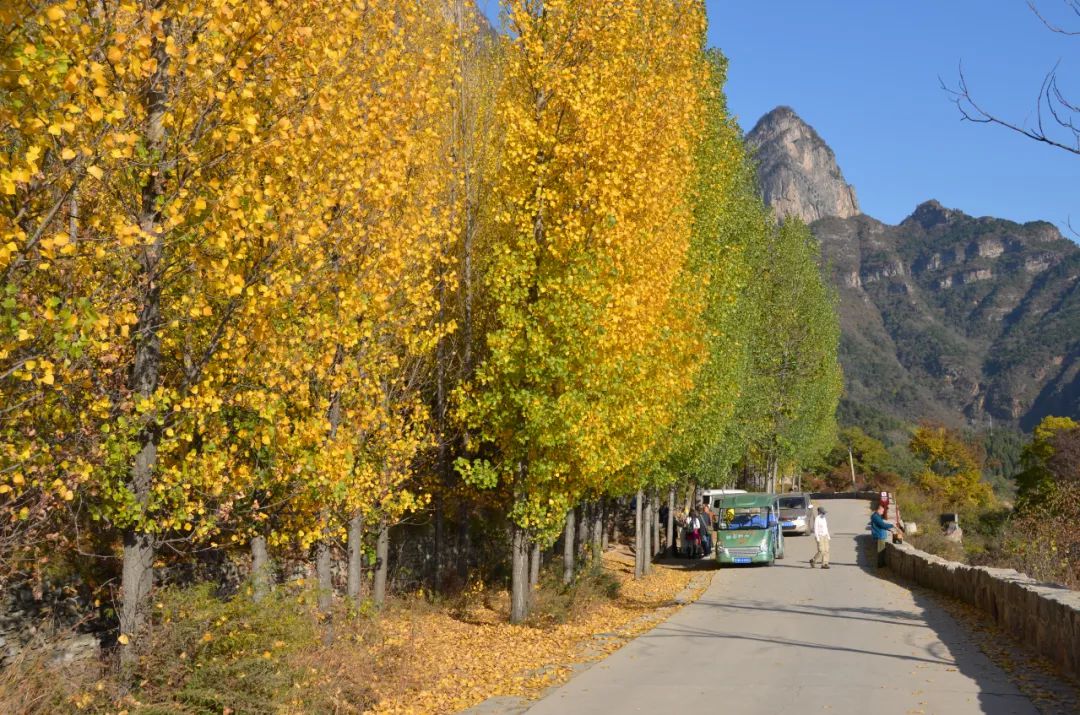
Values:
[(1044, 616)]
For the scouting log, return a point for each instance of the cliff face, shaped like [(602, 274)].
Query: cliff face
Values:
[(951, 317), (797, 170), (946, 316)]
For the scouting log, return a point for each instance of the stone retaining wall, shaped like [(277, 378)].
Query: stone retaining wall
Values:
[(1044, 616)]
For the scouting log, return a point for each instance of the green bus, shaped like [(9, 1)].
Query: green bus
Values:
[(749, 530)]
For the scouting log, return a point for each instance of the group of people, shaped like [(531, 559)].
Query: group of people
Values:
[(693, 530), (879, 528), (696, 530)]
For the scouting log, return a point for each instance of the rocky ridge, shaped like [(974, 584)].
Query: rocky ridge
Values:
[(797, 171), (946, 316)]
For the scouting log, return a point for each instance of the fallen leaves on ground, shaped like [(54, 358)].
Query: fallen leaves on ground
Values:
[(461, 662)]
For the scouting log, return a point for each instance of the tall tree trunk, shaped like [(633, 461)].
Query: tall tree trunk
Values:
[(382, 558), (583, 529), (534, 570), (440, 528), (639, 552), (597, 534), (655, 523), (137, 575), (261, 573), (605, 521), (616, 512), (671, 522), (323, 548), (646, 533), (519, 565), (463, 543), (356, 557), (324, 575), (568, 548)]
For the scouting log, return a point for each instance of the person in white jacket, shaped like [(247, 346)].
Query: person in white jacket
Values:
[(821, 533)]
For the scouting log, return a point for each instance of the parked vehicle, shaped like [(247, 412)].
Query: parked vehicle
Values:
[(796, 513), (749, 529), (715, 496)]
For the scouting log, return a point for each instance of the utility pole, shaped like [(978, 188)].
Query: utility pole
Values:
[(851, 461)]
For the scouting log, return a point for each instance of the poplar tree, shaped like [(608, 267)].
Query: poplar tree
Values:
[(599, 106), (728, 219), (793, 385)]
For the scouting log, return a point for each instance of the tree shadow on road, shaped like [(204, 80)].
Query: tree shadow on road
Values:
[(979, 647), (946, 643)]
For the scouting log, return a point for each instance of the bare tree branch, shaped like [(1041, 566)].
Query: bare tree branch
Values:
[(1050, 99)]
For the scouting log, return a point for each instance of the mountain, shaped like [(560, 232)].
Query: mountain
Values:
[(797, 170), (946, 316)]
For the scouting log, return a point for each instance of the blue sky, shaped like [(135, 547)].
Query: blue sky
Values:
[(865, 74)]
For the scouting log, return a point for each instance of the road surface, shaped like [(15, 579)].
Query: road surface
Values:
[(791, 639)]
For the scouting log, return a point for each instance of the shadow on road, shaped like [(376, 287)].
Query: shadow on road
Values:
[(671, 631), (951, 649), (933, 637), (875, 615), (681, 564)]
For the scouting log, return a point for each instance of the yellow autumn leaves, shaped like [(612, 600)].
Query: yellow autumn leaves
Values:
[(270, 267), (221, 223)]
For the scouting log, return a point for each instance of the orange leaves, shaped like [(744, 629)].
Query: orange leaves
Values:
[(478, 656)]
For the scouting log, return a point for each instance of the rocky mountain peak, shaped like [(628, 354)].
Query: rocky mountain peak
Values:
[(931, 213), (797, 171)]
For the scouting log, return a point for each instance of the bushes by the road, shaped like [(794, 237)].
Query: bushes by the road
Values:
[(422, 653)]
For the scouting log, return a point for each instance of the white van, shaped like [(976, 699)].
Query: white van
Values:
[(715, 496)]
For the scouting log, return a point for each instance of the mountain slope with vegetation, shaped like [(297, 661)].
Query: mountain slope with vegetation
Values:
[(946, 316)]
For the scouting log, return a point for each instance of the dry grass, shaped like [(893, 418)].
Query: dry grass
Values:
[(211, 656)]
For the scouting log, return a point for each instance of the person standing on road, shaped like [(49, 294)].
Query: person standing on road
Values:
[(821, 534), (706, 526), (880, 529), (693, 534)]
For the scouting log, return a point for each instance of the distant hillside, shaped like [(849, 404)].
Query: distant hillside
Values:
[(947, 316)]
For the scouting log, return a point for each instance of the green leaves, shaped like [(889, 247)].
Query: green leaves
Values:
[(477, 473)]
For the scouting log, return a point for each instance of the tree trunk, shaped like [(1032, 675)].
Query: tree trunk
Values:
[(616, 510), (671, 522), (137, 580), (463, 543), (646, 533), (440, 525), (582, 529), (382, 556), (137, 575), (261, 574), (605, 521), (639, 553), (356, 557), (568, 548), (534, 570), (656, 524), (324, 575), (519, 566), (597, 534)]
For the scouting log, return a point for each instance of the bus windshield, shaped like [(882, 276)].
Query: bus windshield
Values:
[(746, 518)]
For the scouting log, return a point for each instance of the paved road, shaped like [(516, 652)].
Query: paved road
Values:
[(789, 639)]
